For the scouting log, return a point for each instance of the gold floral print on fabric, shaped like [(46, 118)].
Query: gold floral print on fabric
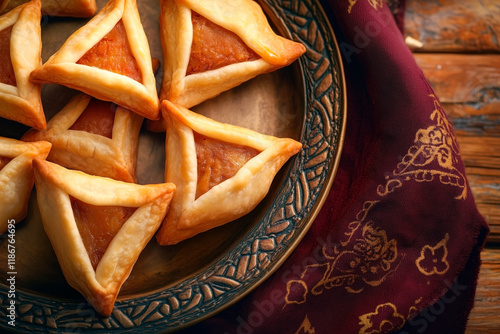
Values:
[(306, 327), (374, 3), (433, 259), (434, 155), (387, 318), (366, 257), (384, 319)]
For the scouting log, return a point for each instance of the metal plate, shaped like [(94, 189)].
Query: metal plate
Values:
[(172, 287)]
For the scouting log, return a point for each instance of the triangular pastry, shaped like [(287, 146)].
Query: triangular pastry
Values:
[(93, 136), (20, 54), (221, 171), (210, 46), (69, 8), (121, 218), (108, 58), (16, 177)]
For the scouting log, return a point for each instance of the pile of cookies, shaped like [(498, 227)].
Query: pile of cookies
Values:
[(83, 160)]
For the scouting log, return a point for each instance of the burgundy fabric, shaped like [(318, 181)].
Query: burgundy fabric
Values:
[(396, 246)]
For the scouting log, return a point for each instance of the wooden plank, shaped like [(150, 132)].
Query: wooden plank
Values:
[(486, 191), (469, 121), (484, 317), (483, 171), (478, 147), (491, 214), (473, 80), (481, 156), (454, 25), (468, 87)]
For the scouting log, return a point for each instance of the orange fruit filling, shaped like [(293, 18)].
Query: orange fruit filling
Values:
[(7, 75), (218, 161), (98, 225), (214, 47), (97, 118), (113, 53)]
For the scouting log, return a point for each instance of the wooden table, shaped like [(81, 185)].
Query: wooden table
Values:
[(457, 45)]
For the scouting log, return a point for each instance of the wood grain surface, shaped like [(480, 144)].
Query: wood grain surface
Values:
[(460, 57), (454, 26), (484, 317)]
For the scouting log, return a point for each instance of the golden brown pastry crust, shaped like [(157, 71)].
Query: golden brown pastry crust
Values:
[(230, 199), (92, 153), (62, 67), (16, 178), (55, 185), (246, 19), (70, 8), (22, 103)]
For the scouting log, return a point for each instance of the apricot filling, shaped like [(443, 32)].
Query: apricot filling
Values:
[(97, 118), (98, 225), (113, 53), (218, 161), (7, 75), (4, 161), (214, 47)]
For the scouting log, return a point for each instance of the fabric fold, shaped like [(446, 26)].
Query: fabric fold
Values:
[(396, 246)]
